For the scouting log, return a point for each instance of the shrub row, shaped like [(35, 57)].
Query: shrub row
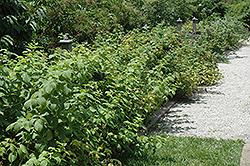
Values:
[(45, 20), (86, 107), (83, 19)]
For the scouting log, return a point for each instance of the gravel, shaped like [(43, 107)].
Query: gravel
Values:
[(221, 111)]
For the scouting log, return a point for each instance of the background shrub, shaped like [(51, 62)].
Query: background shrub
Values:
[(240, 11), (83, 19), (169, 10), (19, 22)]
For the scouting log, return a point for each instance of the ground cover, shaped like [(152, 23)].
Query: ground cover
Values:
[(189, 151)]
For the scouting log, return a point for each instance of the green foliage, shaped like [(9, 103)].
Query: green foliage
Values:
[(6, 41), (86, 107), (82, 19), (206, 8), (60, 113), (18, 22), (241, 11), (169, 11), (226, 34)]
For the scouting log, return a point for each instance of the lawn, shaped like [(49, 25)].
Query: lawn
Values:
[(189, 151)]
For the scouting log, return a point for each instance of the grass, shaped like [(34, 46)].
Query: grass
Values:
[(183, 151)]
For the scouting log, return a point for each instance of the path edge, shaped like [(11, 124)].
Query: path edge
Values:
[(245, 155)]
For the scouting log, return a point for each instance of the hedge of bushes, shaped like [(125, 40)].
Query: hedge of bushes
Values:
[(87, 106), (44, 21), (83, 19)]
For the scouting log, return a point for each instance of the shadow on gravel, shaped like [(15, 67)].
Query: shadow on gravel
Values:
[(169, 123), (236, 57)]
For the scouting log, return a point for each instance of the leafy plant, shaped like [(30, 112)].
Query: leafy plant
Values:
[(207, 8), (228, 34), (168, 11), (83, 19), (241, 11), (19, 23), (86, 107), (6, 41)]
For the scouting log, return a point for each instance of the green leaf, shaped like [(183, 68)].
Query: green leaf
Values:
[(10, 126), (42, 101), (72, 118), (67, 74), (38, 125), (8, 39), (92, 109), (44, 163), (31, 103), (2, 151), (28, 116), (66, 89), (49, 87), (131, 69), (53, 106), (18, 126), (27, 125), (2, 94), (32, 161), (25, 93), (34, 135), (19, 152), (49, 135), (12, 148), (12, 157), (23, 148), (158, 145), (66, 105), (26, 78), (156, 89)]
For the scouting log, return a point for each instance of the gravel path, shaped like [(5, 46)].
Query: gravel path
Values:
[(220, 111)]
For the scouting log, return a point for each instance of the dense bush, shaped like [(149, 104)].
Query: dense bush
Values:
[(82, 19), (225, 35), (240, 10), (19, 20), (86, 107), (206, 8), (169, 11)]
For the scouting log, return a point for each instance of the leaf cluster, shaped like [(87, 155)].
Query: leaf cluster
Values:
[(241, 11), (83, 19), (19, 20)]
